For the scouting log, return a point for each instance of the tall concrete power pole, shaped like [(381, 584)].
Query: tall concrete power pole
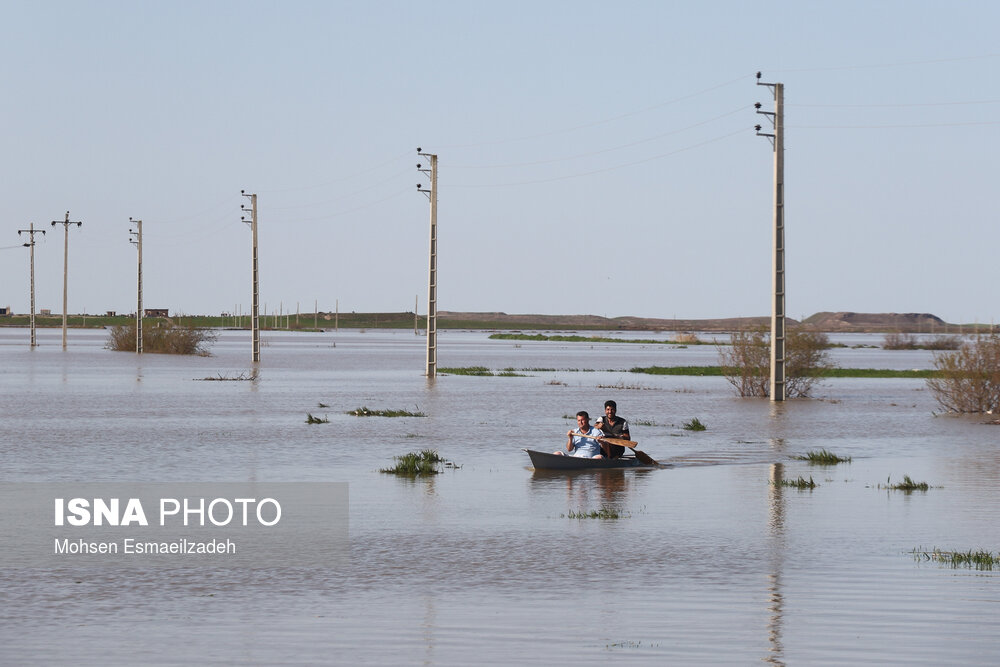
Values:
[(432, 273), (255, 311), (777, 117), (138, 308), (65, 223), (31, 231)]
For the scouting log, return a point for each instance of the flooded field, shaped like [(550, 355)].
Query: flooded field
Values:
[(710, 561)]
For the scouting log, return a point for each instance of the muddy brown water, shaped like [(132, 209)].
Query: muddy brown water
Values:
[(710, 563)]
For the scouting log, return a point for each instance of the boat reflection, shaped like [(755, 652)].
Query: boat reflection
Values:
[(585, 488)]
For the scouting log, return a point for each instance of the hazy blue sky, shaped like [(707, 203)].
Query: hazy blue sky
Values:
[(595, 157)]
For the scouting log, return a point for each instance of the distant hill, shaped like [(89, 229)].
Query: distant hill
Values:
[(903, 322)]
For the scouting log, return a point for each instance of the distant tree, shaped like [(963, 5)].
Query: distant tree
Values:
[(746, 362)]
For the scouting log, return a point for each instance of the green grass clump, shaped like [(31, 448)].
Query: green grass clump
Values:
[(979, 559), (603, 513), (365, 412), (316, 420), (480, 371), (906, 485), (822, 457), (694, 425), (414, 464), (800, 483)]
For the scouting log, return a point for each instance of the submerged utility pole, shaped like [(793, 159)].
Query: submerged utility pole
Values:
[(777, 118), (432, 273), (65, 223), (138, 308), (31, 231), (255, 308)]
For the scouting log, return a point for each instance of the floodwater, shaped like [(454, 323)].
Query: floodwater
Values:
[(710, 562)]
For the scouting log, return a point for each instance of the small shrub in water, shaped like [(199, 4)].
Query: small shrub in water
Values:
[(603, 513), (424, 462), (316, 420), (823, 457), (800, 483), (694, 425), (906, 485), (979, 559), (365, 412)]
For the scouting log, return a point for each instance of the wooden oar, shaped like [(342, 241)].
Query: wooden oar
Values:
[(621, 442)]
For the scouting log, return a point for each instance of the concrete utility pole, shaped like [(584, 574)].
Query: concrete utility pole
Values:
[(255, 309), (65, 223), (432, 273), (31, 231), (138, 308), (777, 117)]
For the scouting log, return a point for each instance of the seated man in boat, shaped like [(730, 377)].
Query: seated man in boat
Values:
[(613, 426), (584, 441)]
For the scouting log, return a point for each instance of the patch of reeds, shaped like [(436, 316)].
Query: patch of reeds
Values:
[(979, 559), (822, 457), (621, 386), (414, 464), (906, 485), (800, 483), (480, 371), (322, 405), (242, 377), (644, 422), (604, 512), (694, 425), (365, 412), (316, 420)]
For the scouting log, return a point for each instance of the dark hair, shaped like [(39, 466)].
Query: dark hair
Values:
[(583, 413), (610, 404)]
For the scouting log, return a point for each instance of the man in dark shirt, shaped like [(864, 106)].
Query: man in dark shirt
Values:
[(613, 427)]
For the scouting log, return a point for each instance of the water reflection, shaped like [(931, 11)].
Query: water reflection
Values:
[(590, 488), (776, 531)]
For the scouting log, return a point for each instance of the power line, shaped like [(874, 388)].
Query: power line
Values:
[(604, 120), (638, 142), (605, 169)]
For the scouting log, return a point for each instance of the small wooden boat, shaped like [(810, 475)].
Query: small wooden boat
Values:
[(549, 461)]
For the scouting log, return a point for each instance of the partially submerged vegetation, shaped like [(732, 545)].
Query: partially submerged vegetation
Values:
[(906, 485), (694, 425), (907, 341), (604, 512), (680, 339), (242, 377), (415, 464), (746, 361), (162, 338), (365, 412), (822, 457), (480, 371), (979, 559), (968, 380), (316, 420), (800, 483)]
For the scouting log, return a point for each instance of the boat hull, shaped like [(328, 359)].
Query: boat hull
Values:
[(549, 461)]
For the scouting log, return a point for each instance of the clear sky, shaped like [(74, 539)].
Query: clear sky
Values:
[(595, 157)]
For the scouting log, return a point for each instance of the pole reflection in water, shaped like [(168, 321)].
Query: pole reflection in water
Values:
[(776, 530)]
